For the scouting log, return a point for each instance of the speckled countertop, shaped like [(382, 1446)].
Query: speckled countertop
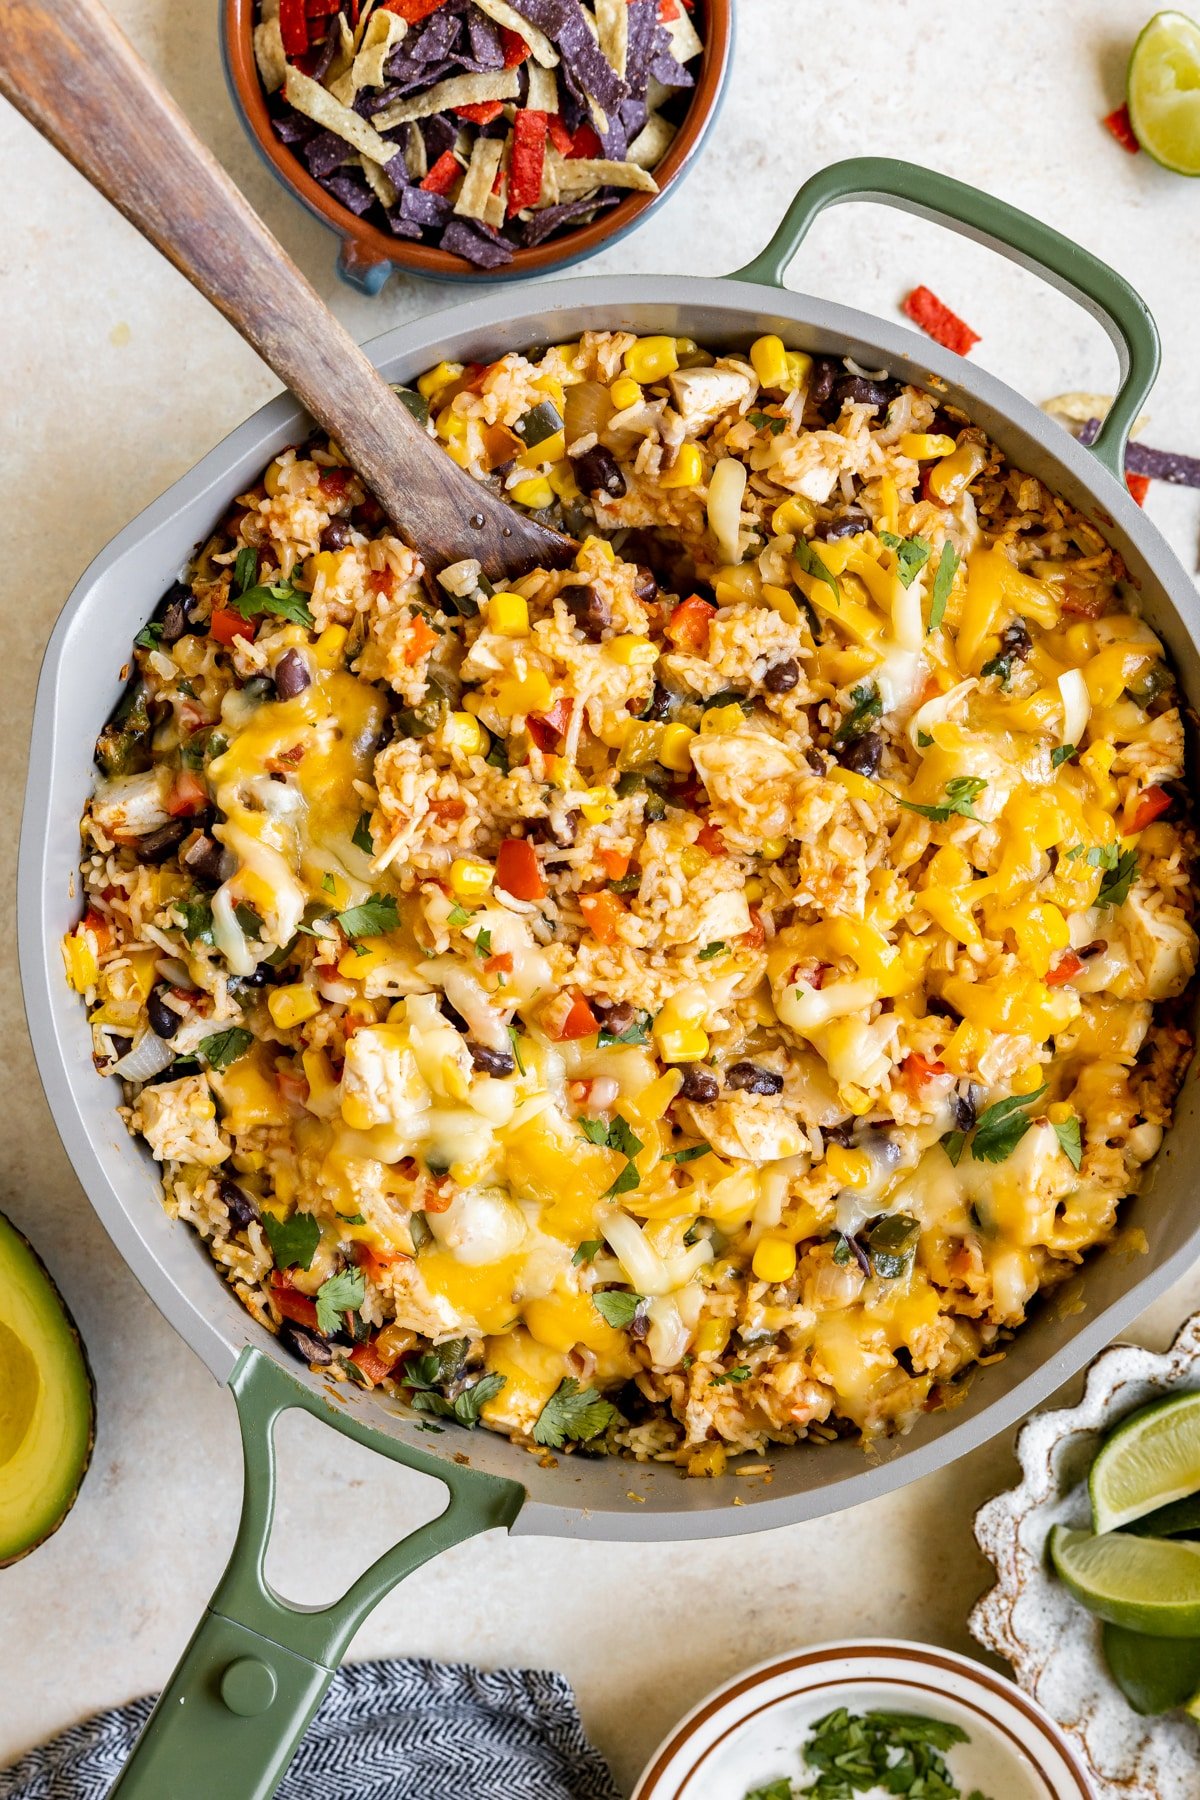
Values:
[(117, 377)]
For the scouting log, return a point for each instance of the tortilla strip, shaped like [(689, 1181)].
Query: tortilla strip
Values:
[(364, 19), (612, 32), (685, 39), (494, 211), (540, 47), (270, 55), (580, 174), (380, 183), (311, 99), (481, 174), (343, 56), (543, 90), (382, 35), (652, 142), (460, 90)]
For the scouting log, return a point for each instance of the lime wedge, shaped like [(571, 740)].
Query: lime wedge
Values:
[(1150, 1585), (1163, 91), (1154, 1674), (1150, 1460), (1180, 1519)]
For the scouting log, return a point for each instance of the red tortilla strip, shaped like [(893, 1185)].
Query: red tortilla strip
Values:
[(585, 145), (443, 175), (1118, 123), (526, 160), (560, 137), (413, 11), (1138, 486), (480, 112), (935, 318), (293, 27), (514, 46)]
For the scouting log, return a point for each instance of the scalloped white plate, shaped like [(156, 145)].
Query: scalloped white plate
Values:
[(751, 1731), (1031, 1620)]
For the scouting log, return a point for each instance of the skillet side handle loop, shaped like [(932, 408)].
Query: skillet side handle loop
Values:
[(1024, 240), (257, 1667)]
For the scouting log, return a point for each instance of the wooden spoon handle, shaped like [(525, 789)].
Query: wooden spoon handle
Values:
[(77, 79)]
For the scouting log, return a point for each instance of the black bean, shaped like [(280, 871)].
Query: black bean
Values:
[(562, 831), (862, 754), (305, 1345), (639, 1325), (847, 524), (164, 1020), (119, 1045), (336, 535), (824, 375), (782, 677), (699, 1085), (616, 1016), (842, 1134), (752, 1078), (238, 1204), (660, 703), (452, 1013), (1015, 641), (962, 1108), (645, 587), (815, 760), (291, 675), (208, 860), (159, 844), (596, 471), (590, 611), (177, 605), (859, 390), (491, 1062)]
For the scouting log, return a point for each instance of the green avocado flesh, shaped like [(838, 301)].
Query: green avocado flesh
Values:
[(46, 1401)]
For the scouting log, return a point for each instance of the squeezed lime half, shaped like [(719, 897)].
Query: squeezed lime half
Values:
[(1151, 1585), (1152, 1459), (1163, 91)]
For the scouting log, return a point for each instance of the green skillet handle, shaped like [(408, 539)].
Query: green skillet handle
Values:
[(1098, 289), (257, 1668)]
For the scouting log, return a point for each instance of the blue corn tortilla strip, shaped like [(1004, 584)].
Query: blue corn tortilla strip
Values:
[(663, 66), (351, 190), (1141, 459), (584, 65), (487, 52), (541, 225), (422, 208), (641, 28), (325, 153), (477, 242), (439, 133)]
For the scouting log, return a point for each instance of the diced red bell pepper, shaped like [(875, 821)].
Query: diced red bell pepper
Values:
[(334, 482), (603, 912), (514, 46), (579, 1021), (689, 624), (293, 27), (443, 175), (546, 729), (917, 1071), (293, 1305), (756, 937), (1138, 485), (1150, 803), (710, 840), (518, 871), (421, 639), (448, 809), (382, 581), (500, 964), (1067, 966), (292, 1087), (438, 1197), (1118, 122), (527, 159), (935, 318), (225, 625), (480, 112), (615, 863), (188, 794), (372, 1262), (413, 11), (367, 1360)]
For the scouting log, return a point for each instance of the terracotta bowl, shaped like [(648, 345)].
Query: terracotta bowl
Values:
[(368, 255)]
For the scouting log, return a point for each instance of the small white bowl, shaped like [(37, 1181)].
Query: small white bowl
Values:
[(752, 1730), (1030, 1619)]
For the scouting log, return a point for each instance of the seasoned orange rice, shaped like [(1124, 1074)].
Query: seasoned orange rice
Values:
[(688, 1002)]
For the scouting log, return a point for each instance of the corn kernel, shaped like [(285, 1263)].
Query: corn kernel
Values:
[(273, 477), (437, 378), (712, 1335), (535, 493), (651, 358), (793, 518), (327, 563), (686, 346), (451, 426), (769, 360), (596, 804), (323, 1089), (1029, 1080), (531, 695), (774, 1259), (721, 721), (709, 1461), (470, 880), (692, 859), (1060, 1112), (80, 958), (675, 750), (595, 546), (754, 890), (771, 849), (855, 1100), (466, 734), (330, 645), (799, 368), (683, 1043), (290, 1006), (562, 480), (508, 615), (686, 471), (849, 1168), (624, 392), (924, 446), (632, 652)]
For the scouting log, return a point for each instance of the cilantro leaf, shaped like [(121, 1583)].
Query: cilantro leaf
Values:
[(458, 916), (911, 553), (771, 422), (626, 1180), (943, 581), (328, 883), (225, 1047), (362, 839), (717, 948), (924, 739), (1070, 1142), (372, 918), (778, 1790), (150, 636), (466, 1407), (623, 1138), (197, 920), (342, 1293), (1002, 1126), (741, 1373), (594, 1130), (245, 568), (812, 565), (617, 1308), (865, 706), (1114, 889), (1062, 753), (954, 1143), (692, 1154), (586, 1251), (572, 1415), (1000, 667), (514, 1038), (483, 942), (279, 598), (293, 1241), (637, 1033), (961, 795)]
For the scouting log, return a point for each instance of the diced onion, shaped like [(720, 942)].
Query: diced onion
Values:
[(864, 374), (725, 491), (1077, 705), (644, 1268), (936, 710), (667, 1337), (149, 1056)]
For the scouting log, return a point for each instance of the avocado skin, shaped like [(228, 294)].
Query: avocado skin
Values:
[(13, 1246)]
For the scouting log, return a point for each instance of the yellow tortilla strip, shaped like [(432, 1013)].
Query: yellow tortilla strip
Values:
[(364, 19), (481, 173), (379, 181), (460, 90), (652, 142), (612, 32), (580, 174), (339, 68), (543, 90), (270, 55), (311, 99), (383, 33), (540, 47), (494, 211), (685, 39)]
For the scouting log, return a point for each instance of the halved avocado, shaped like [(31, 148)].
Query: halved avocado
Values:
[(47, 1401)]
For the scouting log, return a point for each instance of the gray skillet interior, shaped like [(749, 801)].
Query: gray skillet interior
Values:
[(80, 681)]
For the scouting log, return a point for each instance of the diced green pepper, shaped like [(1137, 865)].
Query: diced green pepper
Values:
[(415, 403), (538, 424), (892, 1242)]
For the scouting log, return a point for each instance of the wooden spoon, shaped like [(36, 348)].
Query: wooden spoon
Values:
[(78, 80)]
